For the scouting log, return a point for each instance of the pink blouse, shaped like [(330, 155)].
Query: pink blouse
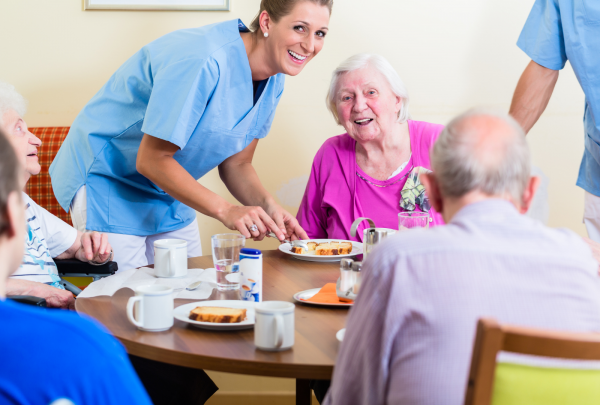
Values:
[(336, 194)]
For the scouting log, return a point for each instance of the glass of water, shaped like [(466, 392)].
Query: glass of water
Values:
[(413, 219), (226, 257)]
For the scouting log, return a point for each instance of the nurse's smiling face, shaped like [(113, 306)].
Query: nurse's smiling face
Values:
[(296, 38)]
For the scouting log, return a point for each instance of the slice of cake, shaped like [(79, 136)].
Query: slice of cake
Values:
[(218, 314), (333, 248), (298, 249)]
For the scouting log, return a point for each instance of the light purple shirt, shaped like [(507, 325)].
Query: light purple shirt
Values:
[(410, 334), (335, 195)]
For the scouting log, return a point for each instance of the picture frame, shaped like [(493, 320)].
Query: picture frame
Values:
[(198, 5)]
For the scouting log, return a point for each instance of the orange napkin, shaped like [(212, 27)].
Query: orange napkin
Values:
[(326, 295)]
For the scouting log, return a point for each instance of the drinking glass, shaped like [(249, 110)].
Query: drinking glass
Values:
[(226, 257), (413, 219)]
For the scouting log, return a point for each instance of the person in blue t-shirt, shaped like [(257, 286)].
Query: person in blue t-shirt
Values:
[(190, 101), (557, 31), (36, 343)]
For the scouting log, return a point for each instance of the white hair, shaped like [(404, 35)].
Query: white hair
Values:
[(360, 61), (460, 169), (10, 99)]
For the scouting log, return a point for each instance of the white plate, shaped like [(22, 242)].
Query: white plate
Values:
[(183, 312), (340, 334), (306, 294), (311, 257)]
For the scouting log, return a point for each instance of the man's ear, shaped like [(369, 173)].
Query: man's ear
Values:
[(433, 191), (532, 186)]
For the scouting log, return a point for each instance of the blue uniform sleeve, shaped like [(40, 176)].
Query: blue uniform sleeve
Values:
[(542, 36), (180, 93)]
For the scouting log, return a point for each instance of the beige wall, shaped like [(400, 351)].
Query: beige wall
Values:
[(452, 54)]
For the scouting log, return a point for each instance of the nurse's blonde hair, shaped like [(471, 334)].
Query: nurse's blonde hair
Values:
[(280, 8), (360, 61)]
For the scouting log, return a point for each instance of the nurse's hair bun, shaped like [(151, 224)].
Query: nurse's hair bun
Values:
[(280, 8)]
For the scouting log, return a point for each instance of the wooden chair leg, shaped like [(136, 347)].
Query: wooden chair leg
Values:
[(303, 393)]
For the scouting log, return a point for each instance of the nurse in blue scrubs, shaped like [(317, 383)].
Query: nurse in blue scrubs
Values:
[(190, 101)]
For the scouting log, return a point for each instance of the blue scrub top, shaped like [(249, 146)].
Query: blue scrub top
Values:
[(561, 30), (193, 88)]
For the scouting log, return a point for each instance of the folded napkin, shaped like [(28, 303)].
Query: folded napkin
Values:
[(326, 295), (134, 278)]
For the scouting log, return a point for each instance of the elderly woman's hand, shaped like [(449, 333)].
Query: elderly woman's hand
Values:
[(286, 222), (94, 248)]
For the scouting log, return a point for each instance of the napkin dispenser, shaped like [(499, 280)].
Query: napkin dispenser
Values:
[(371, 236)]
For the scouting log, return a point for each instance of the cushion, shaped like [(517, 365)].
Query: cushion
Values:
[(516, 384)]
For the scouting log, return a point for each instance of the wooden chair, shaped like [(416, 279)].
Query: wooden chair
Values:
[(505, 383)]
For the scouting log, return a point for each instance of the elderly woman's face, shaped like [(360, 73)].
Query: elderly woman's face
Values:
[(25, 142), (366, 106)]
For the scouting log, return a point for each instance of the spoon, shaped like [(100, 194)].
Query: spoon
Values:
[(294, 243)]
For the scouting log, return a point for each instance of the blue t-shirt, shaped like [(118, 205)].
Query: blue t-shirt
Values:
[(561, 30), (36, 366), (193, 88)]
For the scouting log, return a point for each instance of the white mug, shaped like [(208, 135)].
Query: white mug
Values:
[(274, 325), (154, 312), (170, 258)]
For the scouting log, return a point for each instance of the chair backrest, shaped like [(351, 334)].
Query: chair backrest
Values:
[(39, 187), (505, 383)]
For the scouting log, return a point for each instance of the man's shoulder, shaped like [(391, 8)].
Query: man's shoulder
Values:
[(70, 328)]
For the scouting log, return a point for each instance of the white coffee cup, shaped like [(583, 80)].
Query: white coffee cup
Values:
[(170, 258), (154, 312), (274, 325)]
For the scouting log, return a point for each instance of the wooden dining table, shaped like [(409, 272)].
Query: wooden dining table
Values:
[(315, 345)]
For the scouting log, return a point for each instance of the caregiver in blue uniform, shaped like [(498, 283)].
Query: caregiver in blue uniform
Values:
[(188, 102)]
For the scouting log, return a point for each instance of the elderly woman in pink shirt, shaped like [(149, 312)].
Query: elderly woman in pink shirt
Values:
[(373, 169)]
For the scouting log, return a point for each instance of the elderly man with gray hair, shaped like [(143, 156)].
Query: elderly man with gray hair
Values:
[(410, 334)]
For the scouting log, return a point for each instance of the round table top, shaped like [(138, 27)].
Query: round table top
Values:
[(315, 345)]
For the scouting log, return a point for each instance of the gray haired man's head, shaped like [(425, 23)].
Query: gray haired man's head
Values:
[(482, 150)]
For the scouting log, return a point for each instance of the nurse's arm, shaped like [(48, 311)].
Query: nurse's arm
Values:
[(242, 181), (532, 94), (155, 161)]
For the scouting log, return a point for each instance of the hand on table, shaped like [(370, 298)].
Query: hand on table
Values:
[(94, 247)]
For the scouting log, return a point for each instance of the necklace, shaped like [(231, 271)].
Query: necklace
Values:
[(387, 185)]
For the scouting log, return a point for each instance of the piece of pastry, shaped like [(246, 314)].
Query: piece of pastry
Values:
[(333, 248), (312, 246), (298, 249), (218, 314)]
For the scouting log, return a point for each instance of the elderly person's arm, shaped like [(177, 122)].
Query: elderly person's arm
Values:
[(55, 297), (532, 94)]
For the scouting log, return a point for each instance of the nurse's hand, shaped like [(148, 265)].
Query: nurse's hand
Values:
[(286, 221), (242, 218)]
